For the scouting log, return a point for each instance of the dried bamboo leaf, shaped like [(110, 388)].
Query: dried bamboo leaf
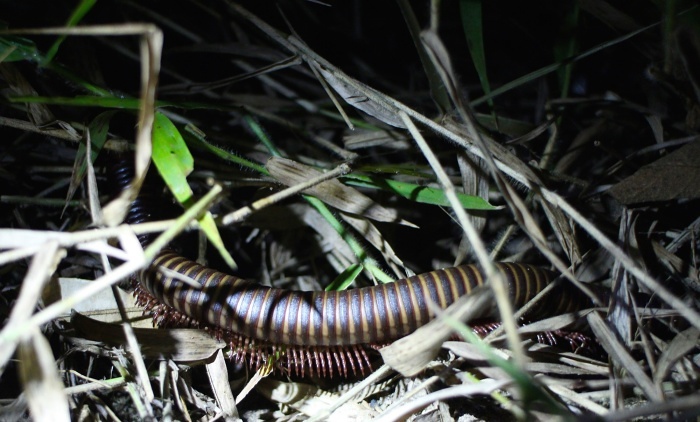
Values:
[(674, 176), (359, 100), (372, 235), (332, 192), (676, 350), (179, 344), (218, 380), (409, 355), (360, 139), (43, 387)]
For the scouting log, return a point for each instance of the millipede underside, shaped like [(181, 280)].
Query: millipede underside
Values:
[(319, 361)]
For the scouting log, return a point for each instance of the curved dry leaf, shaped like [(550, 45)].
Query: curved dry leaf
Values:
[(332, 192), (677, 349), (360, 101)]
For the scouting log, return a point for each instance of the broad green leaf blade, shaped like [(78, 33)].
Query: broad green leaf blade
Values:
[(174, 163), (172, 157), (14, 49), (418, 193)]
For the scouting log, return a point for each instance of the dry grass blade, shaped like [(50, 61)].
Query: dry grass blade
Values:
[(621, 357), (481, 388), (137, 357), (218, 380), (495, 279), (42, 267), (412, 353), (677, 349), (43, 386)]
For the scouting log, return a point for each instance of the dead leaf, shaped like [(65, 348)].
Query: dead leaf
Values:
[(359, 100), (332, 192), (675, 176), (179, 344)]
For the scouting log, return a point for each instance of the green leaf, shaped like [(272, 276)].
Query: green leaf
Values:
[(77, 15), (418, 193), (172, 157), (566, 46), (174, 163), (98, 129), (196, 137), (15, 49), (472, 24), (345, 279)]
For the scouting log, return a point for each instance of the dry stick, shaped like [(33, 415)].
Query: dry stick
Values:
[(245, 212)]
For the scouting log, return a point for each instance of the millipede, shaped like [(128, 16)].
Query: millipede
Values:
[(319, 332)]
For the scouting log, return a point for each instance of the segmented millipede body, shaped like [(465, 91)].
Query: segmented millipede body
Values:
[(318, 332)]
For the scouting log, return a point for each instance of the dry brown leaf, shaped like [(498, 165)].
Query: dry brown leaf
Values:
[(677, 349), (43, 387), (410, 354), (359, 100), (675, 176), (332, 192), (218, 379), (179, 344)]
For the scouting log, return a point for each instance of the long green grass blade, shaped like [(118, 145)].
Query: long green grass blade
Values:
[(83, 8), (472, 24)]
